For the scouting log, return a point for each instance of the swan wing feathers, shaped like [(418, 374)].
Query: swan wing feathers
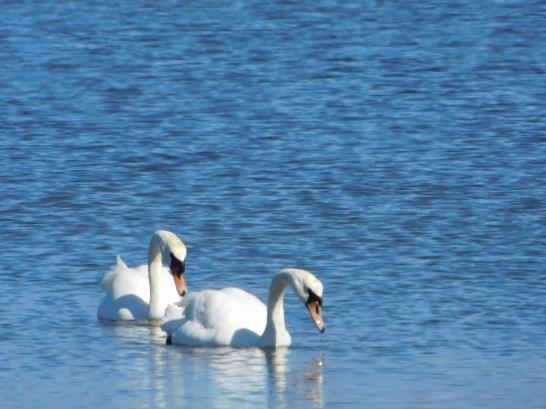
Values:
[(214, 317), (127, 292), (121, 280)]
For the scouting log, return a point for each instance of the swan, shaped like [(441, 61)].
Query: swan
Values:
[(234, 317), (143, 293)]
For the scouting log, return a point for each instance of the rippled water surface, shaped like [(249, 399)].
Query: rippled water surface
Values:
[(396, 149)]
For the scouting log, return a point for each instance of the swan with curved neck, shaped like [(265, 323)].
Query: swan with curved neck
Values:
[(144, 292), (233, 317)]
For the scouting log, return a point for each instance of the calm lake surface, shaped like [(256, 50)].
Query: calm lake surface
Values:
[(396, 149)]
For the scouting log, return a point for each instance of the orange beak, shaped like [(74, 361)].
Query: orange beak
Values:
[(177, 271), (180, 283), (315, 311)]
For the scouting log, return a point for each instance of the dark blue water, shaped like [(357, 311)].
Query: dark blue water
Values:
[(395, 149)]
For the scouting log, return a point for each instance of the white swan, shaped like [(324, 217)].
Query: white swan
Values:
[(233, 317), (144, 292)]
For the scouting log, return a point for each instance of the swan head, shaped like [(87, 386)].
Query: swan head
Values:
[(309, 290), (173, 254)]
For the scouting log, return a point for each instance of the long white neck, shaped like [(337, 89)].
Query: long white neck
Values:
[(275, 332), (155, 275)]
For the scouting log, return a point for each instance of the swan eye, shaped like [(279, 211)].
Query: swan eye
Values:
[(177, 267)]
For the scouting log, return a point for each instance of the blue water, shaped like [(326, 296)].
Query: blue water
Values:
[(396, 149)]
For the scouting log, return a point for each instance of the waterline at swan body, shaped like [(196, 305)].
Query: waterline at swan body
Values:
[(144, 292), (234, 317)]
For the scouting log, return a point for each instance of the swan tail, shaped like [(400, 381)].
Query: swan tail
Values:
[(120, 262), (109, 277)]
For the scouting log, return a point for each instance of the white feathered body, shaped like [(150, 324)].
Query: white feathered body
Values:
[(226, 317), (127, 292)]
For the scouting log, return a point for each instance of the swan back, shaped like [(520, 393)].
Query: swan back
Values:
[(127, 293), (230, 316)]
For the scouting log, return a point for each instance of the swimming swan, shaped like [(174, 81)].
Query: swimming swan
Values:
[(233, 317), (144, 292)]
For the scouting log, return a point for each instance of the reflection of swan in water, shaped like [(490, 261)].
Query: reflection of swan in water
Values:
[(236, 318), (216, 377), (144, 292), (226, 377), (299, 379), (311, 381)]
